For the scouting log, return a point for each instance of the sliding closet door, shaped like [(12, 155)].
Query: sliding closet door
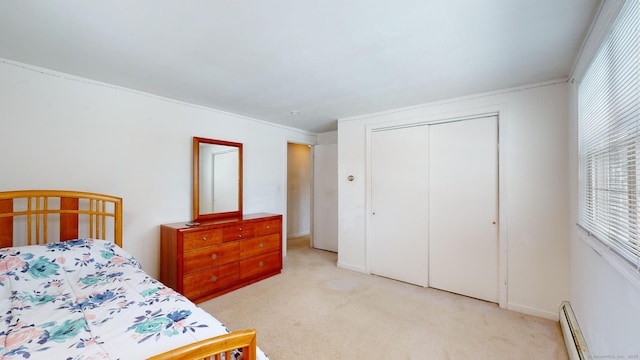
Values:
[(399, 243), (463, 194)]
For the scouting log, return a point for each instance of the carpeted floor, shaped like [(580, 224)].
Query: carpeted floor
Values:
[(314, 310)]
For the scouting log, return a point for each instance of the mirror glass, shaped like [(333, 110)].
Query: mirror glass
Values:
[(217, 179)]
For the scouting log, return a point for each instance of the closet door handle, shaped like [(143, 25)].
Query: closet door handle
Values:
[(214, 256)]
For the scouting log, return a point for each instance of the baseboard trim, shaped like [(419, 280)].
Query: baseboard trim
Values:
[(291, 236), (535, 312), (351, 267)]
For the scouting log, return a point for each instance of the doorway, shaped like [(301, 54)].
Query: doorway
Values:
[(434, 205), (299, 194)]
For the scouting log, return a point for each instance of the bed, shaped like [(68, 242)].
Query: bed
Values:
[(68, 290)]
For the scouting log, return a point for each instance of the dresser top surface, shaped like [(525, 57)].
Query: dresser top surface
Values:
[(223, 221)]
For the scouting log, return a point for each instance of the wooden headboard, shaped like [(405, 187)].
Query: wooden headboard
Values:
[(30, 217)]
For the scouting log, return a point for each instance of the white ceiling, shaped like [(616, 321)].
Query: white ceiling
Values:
[(327, 59)]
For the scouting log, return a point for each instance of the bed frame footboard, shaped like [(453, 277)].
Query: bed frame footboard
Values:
[(215, 347)]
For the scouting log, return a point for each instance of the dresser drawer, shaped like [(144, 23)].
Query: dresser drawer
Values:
[(238, 232), (259, 265), (210, 280), (202, 238), (259, 245), (268, 227), (211, 256)]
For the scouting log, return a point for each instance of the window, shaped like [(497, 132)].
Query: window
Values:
[(609, 139)]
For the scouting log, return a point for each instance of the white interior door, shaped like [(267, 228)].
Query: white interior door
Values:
[(463, 211), (225, 187), (325, 197), (399, 243)]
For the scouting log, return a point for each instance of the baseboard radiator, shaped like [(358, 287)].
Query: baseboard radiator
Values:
[(576, 346)]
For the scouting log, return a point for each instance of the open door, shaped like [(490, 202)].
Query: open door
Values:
[(325, 197)]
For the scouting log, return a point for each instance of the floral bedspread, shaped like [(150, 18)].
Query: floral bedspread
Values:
[(89, 299)]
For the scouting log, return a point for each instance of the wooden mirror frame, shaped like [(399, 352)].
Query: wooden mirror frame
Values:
[(197, 216)]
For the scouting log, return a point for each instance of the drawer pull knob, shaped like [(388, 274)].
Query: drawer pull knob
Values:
[(239, 235), (214, 278), (261, 245), (268, 226), (261, 264), (204, 238), (214, 256)]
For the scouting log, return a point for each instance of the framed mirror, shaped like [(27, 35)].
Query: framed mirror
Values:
[(217, 179)]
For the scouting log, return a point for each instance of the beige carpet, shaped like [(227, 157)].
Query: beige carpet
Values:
[(314, 310)]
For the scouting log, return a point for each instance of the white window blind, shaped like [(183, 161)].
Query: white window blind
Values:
[(609, 139)]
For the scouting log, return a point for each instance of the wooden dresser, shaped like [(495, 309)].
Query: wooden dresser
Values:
[(218, 256)]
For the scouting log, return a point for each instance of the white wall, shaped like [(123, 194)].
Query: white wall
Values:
[(606, 303), (330, 137), (534, 184), (62, 132), (604, 294)]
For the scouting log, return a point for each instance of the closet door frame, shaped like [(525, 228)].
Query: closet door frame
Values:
[(500, 111)]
